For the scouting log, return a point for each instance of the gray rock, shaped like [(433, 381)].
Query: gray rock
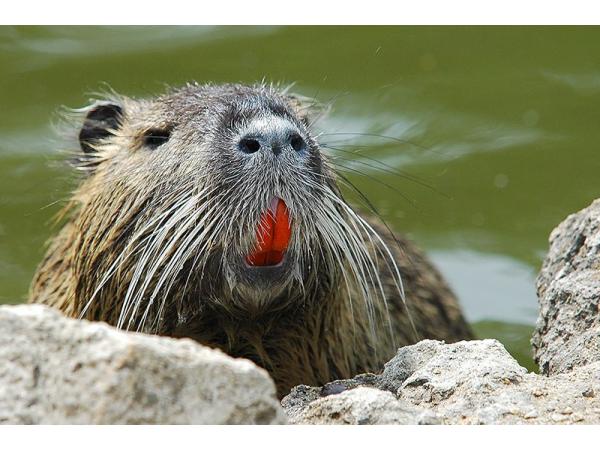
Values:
[(300, 397), (474, 382), (359, 406), (406, 362), (57, 370), (474, 366), (567, 333)]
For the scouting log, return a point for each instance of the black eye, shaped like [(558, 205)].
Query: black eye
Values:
[(154, 137), (297, 143)]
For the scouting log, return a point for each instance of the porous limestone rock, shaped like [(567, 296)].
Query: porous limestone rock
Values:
[(55, 370), (475, 382), (567, 332)]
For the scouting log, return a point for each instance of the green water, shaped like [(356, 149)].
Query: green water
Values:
[(505, 122)]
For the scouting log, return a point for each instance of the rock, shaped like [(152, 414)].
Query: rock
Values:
[(405, 363), (55, 370), (567, 333), (459, 370), (475, 382), (359, 406), (301, 396)]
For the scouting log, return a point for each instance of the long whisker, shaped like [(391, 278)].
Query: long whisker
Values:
[(382, 136), (386, 168), (383, 183), (397, 277)]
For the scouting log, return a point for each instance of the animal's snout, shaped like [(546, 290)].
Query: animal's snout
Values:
[(274, 135)]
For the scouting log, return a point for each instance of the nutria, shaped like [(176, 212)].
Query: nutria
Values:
[(210, 212)]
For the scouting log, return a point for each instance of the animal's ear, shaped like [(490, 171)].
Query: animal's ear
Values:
[(101, 121)]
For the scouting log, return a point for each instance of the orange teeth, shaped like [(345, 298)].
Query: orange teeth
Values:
[(273, 235)]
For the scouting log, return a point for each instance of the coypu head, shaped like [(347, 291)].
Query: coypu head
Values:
[(210, 197)]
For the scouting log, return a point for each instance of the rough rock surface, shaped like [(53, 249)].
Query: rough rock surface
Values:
[(568, 329), (474, 382), (361, 406), (58, 370)]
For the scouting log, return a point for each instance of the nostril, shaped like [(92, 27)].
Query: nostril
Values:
[(297, 143), (249, 145)]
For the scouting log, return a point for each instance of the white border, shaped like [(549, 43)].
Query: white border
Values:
[(298, 437), (298, 12)]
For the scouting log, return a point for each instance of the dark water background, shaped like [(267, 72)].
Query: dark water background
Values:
[(502, 121)]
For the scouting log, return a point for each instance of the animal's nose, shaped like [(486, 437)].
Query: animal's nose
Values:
[(271, 135)]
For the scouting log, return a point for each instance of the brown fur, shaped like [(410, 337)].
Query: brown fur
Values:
[(325, 336)]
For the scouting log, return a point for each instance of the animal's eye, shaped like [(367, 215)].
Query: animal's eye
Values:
[(155, 137)]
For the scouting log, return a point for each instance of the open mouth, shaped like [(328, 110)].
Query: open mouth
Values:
[(273, 236)]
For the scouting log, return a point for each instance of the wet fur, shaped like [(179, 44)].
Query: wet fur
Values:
[(146, 245)]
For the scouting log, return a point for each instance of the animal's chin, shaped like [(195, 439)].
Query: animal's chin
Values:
[(265, 276), (254, 290)]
